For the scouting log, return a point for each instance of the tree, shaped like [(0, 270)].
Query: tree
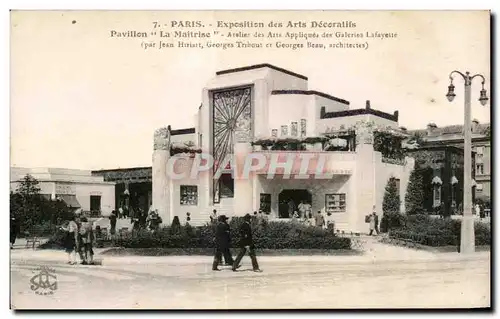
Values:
[(28, 188), (26, 202), (391, 203), (391, 207), (414, 198), (35, 213)]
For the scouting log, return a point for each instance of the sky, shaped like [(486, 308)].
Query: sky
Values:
[(80, 99)]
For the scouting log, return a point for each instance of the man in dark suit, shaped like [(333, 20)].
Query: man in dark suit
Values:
[(246, 242), (222, 243)]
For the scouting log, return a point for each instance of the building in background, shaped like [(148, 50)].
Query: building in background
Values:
[(79, 189), (267, 109), (434, 136)]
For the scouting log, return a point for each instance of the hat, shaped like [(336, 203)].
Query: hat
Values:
[(223, 218), (247, 217)]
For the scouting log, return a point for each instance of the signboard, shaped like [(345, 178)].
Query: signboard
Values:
[(65, 189)]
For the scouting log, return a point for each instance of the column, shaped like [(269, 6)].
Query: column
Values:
[(243, 186), (160, 192), (365, 182)]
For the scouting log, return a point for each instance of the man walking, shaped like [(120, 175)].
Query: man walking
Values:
[(112, 222), (246, 242), (373, 220), (222, 244)]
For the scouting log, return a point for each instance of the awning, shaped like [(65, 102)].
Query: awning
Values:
[(70, 200)]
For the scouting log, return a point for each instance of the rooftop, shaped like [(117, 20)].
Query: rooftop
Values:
[(260, 66)]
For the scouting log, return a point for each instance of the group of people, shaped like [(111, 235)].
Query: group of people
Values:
[(140, 219), (223, 243), (78, 240)]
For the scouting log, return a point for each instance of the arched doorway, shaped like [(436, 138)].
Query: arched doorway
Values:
[(292, 197)]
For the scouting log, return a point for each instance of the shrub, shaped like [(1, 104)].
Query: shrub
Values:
[(414, 198), (438, 232), (391, 217), (266, 235), (391, 202), (392, 221)]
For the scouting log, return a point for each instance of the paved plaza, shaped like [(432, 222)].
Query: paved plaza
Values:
[(385, 276)]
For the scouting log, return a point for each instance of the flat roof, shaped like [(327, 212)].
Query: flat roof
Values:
[(311, 92), (259, 66), (183, 131), (392, 117)]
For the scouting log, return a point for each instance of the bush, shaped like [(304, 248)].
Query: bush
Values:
[(391, 217), (266, 235), (391, 202), (392, 221), (414, 198), (436, 232)]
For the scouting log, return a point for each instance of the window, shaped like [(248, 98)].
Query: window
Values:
[(95, 203), (437, 195), (200, 141), (226, 186), (480, 169), (335, 203), (189, 195), (398, 185)]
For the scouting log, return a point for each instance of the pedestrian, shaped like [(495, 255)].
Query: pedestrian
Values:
[(373, 219), (302, 209), (291, 208), (481, 212), (376, 220), (308, 209), (70, 242), (246, 242), (222, 244), (213, 216), (14, 230), (319, 220), (477, 210), (87, 240), (112, 222), (120, 212)]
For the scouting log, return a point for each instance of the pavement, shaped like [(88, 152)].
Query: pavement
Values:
[(384, 277)]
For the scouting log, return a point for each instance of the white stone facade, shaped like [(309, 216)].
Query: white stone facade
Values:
[(277, 98), (79, 185)]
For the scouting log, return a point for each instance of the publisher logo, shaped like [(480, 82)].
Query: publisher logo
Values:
[(44, 282)]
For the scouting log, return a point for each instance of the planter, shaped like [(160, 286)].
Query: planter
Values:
[(318, 146)]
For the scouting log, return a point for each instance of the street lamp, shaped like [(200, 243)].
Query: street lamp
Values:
[(467, 231)]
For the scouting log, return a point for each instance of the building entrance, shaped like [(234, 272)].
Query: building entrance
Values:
[(289, 200)]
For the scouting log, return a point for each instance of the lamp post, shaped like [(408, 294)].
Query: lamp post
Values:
[(467, 232)]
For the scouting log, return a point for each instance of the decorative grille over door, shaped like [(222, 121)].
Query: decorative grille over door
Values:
[(232, 123)]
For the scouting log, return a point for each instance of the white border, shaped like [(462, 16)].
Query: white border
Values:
[(189, 5)]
